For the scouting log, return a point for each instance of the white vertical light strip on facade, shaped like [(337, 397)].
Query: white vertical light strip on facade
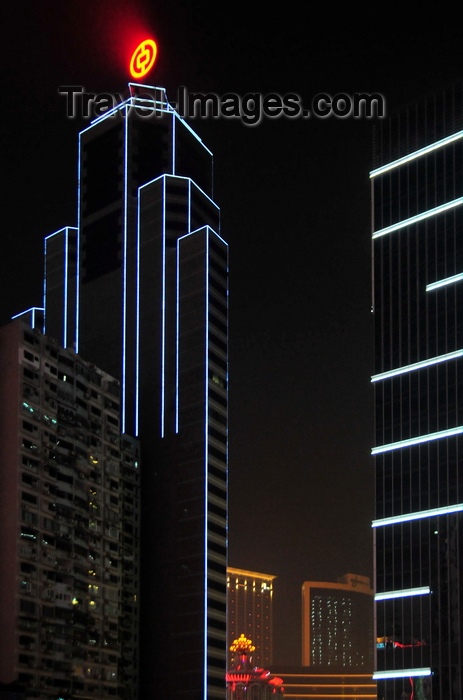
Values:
[(444, 282), (137, 321), (174, 146), (206, 448), (417, 440), (416, 154), (405, 593), (189, 205), (418, 217), (401, 673), (417, 365), (163, 308), (124, 279), (177, 337), (418, 515)]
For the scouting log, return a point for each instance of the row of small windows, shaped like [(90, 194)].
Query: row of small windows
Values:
[(33, 394), (77, 368)]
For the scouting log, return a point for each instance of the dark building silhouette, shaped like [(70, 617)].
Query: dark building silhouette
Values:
[(417, 190), (152, 309), (140, 288)]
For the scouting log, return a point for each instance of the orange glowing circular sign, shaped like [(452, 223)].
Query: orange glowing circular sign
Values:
[(143, 58)]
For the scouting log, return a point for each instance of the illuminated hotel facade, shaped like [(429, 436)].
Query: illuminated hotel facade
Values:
[(337, 623), (250, 612), (140, 288), (417, 192)]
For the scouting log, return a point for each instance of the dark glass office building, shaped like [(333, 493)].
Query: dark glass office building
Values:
[(152, 309), (417, 191)]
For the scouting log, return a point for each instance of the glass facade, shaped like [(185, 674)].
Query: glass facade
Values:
[(417, 188)]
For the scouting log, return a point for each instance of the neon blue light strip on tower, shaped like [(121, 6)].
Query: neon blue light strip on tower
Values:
[(418, 217), (78, 242), (405, 593), (149, 87), (190, 183), (138, 103), (207, 197), (418, 515), (444, 282), (177, 116), (404, 673), (174, 146), (189, 205), (45, 286), (450, 432), (417, 365), (31, 310), (65, 232), (124, 279), (66, 280), (416, 154)]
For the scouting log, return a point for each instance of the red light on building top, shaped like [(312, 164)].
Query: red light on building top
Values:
[(143, 58)]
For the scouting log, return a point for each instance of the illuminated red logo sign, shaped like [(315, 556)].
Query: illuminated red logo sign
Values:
[(143, 58)]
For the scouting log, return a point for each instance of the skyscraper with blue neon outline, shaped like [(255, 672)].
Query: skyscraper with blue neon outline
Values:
[(417, 193), (149, 290)]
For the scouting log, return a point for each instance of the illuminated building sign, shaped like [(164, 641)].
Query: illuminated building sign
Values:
[(143, 58)]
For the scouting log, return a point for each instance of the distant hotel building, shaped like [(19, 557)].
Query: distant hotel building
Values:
[(337, 623), (417, 191), (69, 537), (250, 612)]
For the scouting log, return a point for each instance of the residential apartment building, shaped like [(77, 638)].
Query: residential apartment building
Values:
[(69, 542)]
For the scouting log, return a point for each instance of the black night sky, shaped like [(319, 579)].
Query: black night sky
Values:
[(294, 196)]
